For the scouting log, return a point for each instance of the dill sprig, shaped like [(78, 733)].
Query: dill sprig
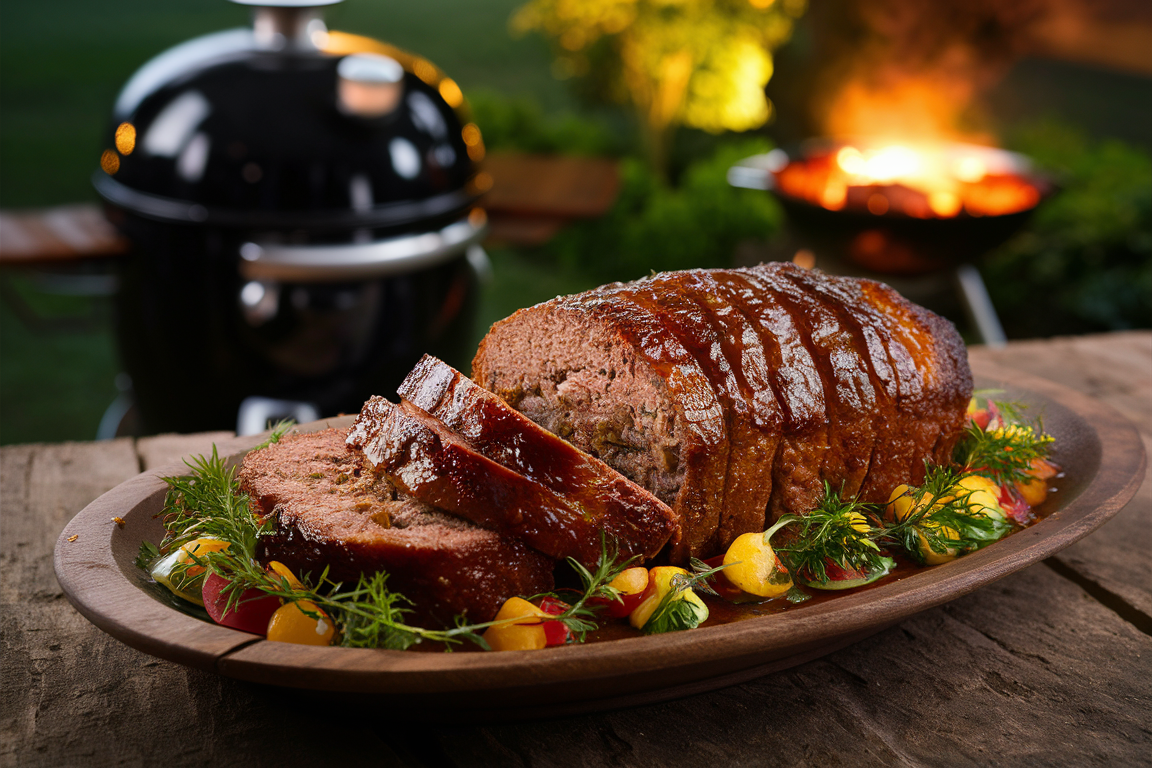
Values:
[(208, 503), (943, 518), (1005, 449), (838, 530)]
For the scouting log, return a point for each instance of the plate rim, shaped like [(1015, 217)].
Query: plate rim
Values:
[(655, 666)]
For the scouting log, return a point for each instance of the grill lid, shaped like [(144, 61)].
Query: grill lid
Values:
[(289, 126)]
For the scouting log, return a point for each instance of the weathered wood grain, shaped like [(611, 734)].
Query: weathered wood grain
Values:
[(1029, 671)]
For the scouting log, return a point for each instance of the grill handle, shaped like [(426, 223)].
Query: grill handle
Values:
[(358, 261)]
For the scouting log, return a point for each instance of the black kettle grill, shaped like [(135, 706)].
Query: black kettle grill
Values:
[(302, 211)]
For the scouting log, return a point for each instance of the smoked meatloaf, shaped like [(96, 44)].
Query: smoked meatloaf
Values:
[(735, 395), (332, 512)]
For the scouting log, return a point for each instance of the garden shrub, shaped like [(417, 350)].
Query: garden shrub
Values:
[(1084, 263)]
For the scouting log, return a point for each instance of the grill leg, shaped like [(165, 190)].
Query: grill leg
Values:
[(978, 306)]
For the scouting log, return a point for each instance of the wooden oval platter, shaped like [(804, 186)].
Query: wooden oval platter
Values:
[(1101, 453)]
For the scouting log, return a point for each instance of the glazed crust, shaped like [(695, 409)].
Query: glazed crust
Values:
[(429, 462), (778, 381)]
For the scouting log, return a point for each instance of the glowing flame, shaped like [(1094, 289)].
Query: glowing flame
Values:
[(923, 180)]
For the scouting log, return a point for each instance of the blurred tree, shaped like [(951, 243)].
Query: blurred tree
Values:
[(700, 63)]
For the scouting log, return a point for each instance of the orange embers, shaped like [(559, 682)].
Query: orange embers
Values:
[(930, 181)]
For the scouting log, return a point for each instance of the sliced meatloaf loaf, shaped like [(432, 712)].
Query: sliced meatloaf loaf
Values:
[(331, 512), (832, 380), (504, 435), (429, 462)]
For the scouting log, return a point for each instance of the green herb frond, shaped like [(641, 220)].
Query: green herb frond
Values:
[(942, 513), (208, 503), (1004, 454), (279, 429), (838, 530), (147, 556), (672, 614), (580, 617)]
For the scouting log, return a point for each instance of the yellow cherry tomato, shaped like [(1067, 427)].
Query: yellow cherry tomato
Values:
[(930, 556), (1035, 490), (186, 583), (290, 624), (753, 567), (279, 569), (630, 581), (521, 627), (659, 585), (900, 506), (981, 495)]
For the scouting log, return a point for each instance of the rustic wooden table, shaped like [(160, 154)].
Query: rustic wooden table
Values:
[(1049, 666)]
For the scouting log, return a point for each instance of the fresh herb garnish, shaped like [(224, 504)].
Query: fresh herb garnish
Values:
[(1006, 449), (840, 531), (208, 503), (579, 616), (676, 611), (942, 518), (147, 555)]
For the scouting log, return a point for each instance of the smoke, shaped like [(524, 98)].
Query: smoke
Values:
[(913, 68)]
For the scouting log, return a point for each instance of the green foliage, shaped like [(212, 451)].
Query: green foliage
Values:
[(701, 63), (653, 227), (1085, 263), (520, 124)]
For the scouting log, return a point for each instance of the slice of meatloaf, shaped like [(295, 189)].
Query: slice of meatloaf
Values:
[(853, 409), (894, 379), (832, 357), (505, 436), (940, 360), (331, 512), (429, 462)]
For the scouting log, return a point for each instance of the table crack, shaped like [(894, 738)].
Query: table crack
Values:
[(1101, 594)]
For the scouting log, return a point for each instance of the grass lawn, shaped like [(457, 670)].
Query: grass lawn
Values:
[(62, 63)]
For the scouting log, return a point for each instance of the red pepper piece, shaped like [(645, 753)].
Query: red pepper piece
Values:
[(250, 614), (555, 632), (1014, 505)]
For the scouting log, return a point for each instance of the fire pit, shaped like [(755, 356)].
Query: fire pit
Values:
[(903, 209)]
